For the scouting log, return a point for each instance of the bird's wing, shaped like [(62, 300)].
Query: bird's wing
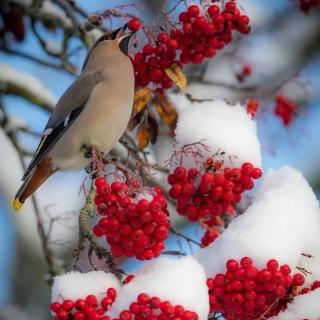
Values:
[(68, 108)]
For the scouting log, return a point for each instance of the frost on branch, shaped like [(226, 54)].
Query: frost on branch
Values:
[(305, 306), (182, 282), (282, 223), (25, 85), (222, 127), (76, 285)]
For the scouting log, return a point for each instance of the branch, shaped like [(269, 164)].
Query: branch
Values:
[(11, 88), (63, 66), (85, 233)]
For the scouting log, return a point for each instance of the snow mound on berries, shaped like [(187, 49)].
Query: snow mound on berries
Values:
[(306, 306), (282, 222), (76, 285), (224, 127), (182, 282)]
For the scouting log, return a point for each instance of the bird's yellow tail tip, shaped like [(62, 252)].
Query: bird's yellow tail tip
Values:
[(16, 204)]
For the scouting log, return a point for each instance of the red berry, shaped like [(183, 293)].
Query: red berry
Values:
[(80, 304), (184, 17), (213, 10), (247, 168), (243, 21), (298, 279), (134, 24), (162, 37), (67, 305), (148, 49), (193, 11), (272, 265), (78, 316), (230, 6), (246, 262), (232, 265), (143, 298), (256, 173), (100, 182), (55, 307), (156, 75), (91, 300)]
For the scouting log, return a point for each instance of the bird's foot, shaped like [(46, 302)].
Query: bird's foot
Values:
[(87, 151), (91, 152)]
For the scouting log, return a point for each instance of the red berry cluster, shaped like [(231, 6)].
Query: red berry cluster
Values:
[(132, 228), (207, 194), (84, 309), (201, 32), (285, 109), (147, 307), (252, 107), (246, 293)]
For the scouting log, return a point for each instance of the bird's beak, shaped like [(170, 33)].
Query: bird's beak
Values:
[(122, 34), (123, 39)]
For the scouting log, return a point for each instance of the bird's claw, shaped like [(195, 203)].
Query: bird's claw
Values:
[(87, 151)]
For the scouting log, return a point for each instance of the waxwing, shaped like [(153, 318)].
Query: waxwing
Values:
[(93, 112)]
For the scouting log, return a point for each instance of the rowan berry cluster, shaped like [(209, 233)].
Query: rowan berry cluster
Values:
[(201, 32), (89, 308), (245, 293), (147, 307), (205, 195), (132, 227), (285, 109)]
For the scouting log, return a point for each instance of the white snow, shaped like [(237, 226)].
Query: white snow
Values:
[(52, 9), (27, 81), (306, 306), (182, 282), (54, 47), (282, 222), (222, 127), (75, 285)]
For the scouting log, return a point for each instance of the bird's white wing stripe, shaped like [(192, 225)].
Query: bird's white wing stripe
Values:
[(47, 132), (66, 120)]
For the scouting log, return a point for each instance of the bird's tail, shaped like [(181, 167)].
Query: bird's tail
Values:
[(39, 175)]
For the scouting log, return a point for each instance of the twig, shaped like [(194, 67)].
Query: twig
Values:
[(183, 236), (173, 253)]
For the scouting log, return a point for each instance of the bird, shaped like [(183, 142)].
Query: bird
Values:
[(93, 112)]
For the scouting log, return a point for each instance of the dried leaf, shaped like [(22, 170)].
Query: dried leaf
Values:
[(141, 99), (175, 73), (166, 110), (142, 135), (135, 120), (153, 128)]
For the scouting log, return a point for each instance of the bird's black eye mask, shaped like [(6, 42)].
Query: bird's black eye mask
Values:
[(109, 36)]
